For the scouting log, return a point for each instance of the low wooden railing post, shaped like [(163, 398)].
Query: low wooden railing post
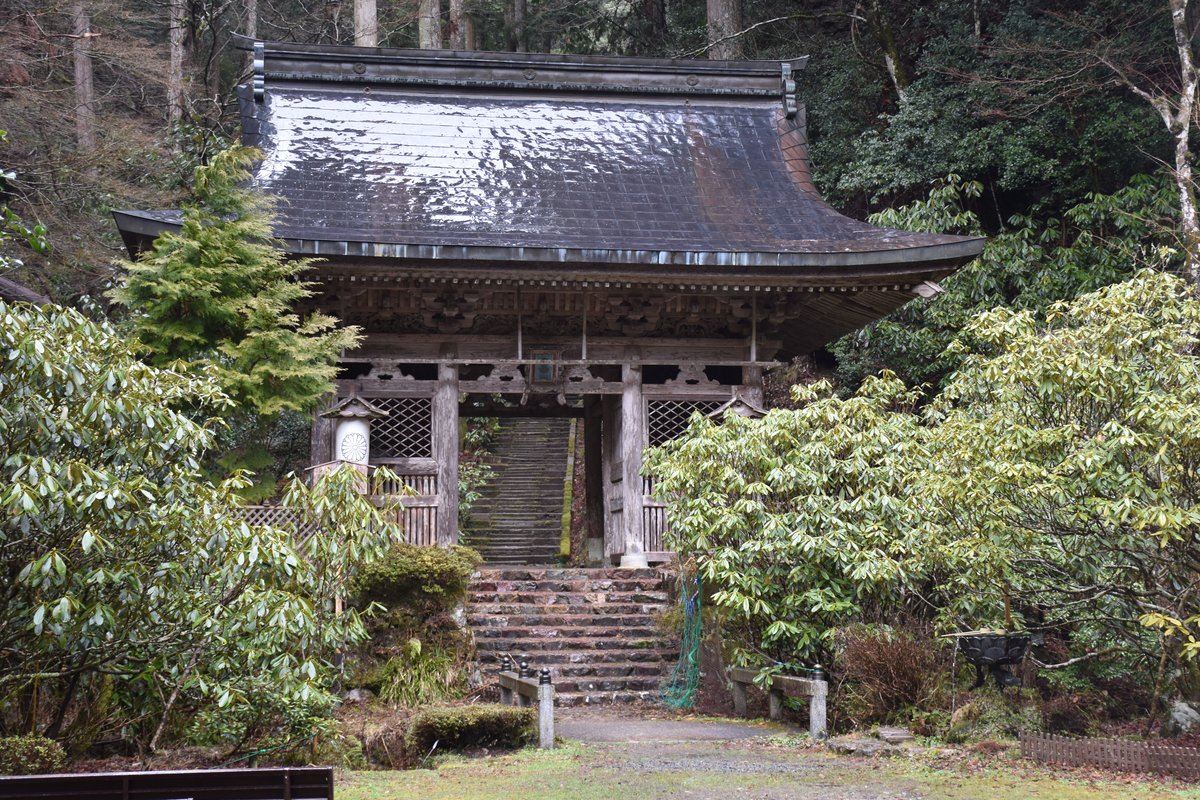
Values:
[(817, 728), (506, 694), (545, 711)]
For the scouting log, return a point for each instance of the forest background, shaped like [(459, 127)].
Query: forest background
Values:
[(1062, 129)]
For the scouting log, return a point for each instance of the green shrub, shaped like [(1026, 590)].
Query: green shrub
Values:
[(462, 727), (418, 675), (267, 720), (992, 714), (410, 574), (30, 755)]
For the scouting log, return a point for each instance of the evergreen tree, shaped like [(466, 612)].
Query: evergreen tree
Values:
[(219, 296)]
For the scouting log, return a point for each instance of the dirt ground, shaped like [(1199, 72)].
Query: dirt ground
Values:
[(608, 756)]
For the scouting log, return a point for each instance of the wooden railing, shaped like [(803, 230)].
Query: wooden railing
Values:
[(415, 487), (654, 518)]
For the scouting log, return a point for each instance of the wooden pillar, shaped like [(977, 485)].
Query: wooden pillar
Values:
[(321, 443), (614, 534), (752, 385), (593, 478), (633, 441), (445, 450)]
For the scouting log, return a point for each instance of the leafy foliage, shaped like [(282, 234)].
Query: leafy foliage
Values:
[(800, 521), (1055, 474), (420, 675), (1063, 465), (123, 560), (412, 575), (30, 755), (1031, 265)]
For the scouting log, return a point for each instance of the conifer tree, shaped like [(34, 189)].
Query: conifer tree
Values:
[(220, 297)]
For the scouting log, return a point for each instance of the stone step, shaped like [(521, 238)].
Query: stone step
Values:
[(645, 631), (659, 660), (575, 699), (632, 683), (598, 609), (570, 573), (561, 599), (548, 551), (632, 649), (568, 584), (561, 621)]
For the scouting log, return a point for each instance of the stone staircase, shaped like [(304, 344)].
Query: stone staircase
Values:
[(518, 518), (593, 628)]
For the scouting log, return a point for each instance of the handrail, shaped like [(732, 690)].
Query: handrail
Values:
[(520, 688)]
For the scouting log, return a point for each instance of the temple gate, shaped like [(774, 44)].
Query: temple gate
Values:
[(620, 240)]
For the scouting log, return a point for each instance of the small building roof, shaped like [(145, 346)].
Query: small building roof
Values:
[(686, 169), (354, 407)]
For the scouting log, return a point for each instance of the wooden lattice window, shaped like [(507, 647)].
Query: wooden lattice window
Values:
[(668, 419), (407, 430)]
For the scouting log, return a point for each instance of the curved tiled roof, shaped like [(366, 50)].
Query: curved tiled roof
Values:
[(437, 156)]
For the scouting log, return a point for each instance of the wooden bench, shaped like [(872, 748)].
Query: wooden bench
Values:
[(780, 686), (302, 783), (520, 688)]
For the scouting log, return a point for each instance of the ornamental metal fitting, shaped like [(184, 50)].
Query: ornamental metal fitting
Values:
[(506, 664), (524, 673), (259, 81), (544, 678), (818, 672), (790, 107)]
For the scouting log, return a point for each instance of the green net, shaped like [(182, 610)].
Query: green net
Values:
[(679, 690)]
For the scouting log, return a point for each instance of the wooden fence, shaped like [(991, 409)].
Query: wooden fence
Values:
[(1115, 754)]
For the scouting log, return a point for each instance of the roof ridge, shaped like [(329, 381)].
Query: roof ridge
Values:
[(516, 71)]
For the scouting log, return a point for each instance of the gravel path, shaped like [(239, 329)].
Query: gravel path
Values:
[(606, 725)]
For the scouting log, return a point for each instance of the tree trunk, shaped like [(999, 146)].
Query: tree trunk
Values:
[(724, 22), (458, 25), (885, 36), (1182, 130), (516, 26), (1189, 222), (655, 14), (366, 24), (178, 52), (85, 93), (470, 32), (429, 24), (252, 19)]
